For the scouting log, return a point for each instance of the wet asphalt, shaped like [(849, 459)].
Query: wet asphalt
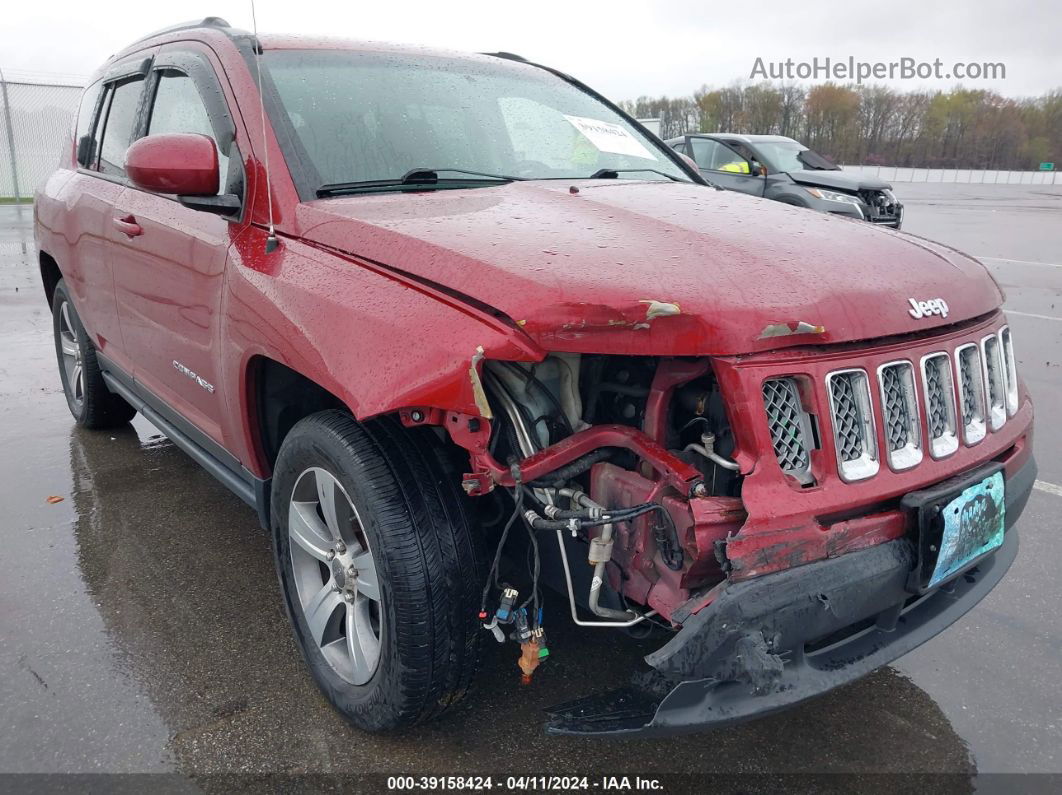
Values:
[(141, 628)]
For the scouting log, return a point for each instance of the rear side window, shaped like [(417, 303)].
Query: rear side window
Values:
[(85, 116), (179, 108), (119, 127)]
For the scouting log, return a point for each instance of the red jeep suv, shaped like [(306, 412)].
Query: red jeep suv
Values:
[(460, 329)]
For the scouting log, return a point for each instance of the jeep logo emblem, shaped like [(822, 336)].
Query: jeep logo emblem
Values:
[(934, 306)]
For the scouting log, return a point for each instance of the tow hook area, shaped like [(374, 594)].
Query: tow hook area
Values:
[(755, 664), (746, 632)]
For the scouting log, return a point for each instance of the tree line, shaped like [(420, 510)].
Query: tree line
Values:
[(875, 124)]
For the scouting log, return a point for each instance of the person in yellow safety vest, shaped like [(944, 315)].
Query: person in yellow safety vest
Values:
[(736, 167)]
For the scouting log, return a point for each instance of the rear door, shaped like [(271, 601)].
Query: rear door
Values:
[(170, 260), (724, 166), (106, 121)]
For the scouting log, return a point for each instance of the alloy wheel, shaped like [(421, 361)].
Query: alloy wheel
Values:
[(335, 575), (71, 348)]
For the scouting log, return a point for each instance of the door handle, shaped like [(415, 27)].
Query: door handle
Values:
[(128, 226)]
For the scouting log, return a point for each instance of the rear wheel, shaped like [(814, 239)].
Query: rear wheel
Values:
[(90, 401), (378, 567)]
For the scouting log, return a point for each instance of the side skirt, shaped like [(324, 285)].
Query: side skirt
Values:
[(205, 451)]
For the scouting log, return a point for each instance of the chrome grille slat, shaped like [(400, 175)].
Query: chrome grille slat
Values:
[(969, 396), (1010, 369), (899, 406), (853, 423), (788, 424), (995, 387), (846, 419), (938, 405), (939, 394), (971, 392), (894, 404), (995, 381)]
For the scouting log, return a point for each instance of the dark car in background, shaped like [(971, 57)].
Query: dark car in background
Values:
[(780, 168)]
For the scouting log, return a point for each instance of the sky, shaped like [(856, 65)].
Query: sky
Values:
[(623, 49)]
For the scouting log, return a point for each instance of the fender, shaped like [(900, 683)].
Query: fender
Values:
[(407, 344)]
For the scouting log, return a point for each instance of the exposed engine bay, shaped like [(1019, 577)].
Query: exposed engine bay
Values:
[(618, 506)]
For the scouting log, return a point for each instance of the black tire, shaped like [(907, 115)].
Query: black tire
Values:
[(90, 401), (426, 553)]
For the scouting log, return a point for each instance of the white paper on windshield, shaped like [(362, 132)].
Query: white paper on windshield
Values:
[(609, 137)]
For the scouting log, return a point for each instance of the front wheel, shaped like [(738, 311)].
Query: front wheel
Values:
[(378, 567)]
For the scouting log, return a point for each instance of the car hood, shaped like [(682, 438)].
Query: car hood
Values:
[(653, 267), (839, 180)]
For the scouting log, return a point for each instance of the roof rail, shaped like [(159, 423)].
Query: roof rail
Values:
[(206, 22), (509, 56)]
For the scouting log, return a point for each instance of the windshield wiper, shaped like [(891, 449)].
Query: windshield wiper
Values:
[(420, 178), (613, 173)]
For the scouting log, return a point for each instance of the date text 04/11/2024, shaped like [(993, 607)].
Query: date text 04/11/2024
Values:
[(522, 783)]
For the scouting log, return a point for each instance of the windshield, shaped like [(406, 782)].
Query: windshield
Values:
[(793, 156), (367, 116)]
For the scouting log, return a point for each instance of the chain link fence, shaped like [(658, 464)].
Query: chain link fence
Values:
[(36, 117)]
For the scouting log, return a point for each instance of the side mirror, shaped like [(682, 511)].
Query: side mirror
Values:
[(689, 161), (185, 164)]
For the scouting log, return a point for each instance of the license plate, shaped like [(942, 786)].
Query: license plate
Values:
[(970, 525)]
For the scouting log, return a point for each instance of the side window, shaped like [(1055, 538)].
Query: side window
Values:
[(84, 130), (741, 149), (712, 155), (680, 147), (118, 129), (178, 108)]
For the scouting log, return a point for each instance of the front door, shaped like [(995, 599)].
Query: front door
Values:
[(724, 166), (170, 259)]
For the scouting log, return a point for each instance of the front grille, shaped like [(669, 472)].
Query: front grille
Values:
[(971, 392), (789, 427), (899, 405), (963, 393), (853, 424)]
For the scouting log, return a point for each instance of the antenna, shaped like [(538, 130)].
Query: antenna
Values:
[(271, 240)]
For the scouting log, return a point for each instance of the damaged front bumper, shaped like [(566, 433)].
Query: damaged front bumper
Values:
[(771, 642)]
